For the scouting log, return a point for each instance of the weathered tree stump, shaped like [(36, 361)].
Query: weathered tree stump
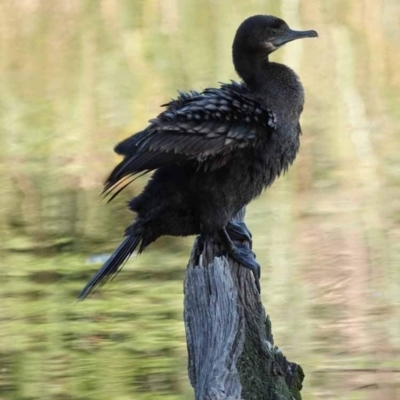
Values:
[(230, 344)]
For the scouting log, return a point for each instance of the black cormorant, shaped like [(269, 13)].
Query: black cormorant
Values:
[(214, 151)]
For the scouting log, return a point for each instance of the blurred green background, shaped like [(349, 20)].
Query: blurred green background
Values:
[(76, 77)]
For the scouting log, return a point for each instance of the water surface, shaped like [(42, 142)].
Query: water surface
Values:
[(78, 76)]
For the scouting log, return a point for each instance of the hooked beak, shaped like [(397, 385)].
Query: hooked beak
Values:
[(290, 35)]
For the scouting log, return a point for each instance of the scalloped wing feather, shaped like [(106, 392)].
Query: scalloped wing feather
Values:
[(206, 128)]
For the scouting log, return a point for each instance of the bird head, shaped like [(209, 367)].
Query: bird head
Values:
[(263, 34)]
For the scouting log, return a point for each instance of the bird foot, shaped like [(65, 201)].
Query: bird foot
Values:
[(241, 254), (238, 231), (245, 257)]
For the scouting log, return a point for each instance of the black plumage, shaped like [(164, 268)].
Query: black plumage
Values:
[(214, 151)]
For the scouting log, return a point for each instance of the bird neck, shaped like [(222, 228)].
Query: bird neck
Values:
[(252, 68)]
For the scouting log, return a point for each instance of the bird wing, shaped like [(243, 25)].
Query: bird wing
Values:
[(204, 127)]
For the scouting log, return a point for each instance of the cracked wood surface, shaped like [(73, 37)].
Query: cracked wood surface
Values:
[(231, 350)]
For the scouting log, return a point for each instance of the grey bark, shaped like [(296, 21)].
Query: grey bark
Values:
[(231, 350)]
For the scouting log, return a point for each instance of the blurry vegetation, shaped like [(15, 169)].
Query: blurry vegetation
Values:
[(76, 77)]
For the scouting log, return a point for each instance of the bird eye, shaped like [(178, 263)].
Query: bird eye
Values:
[(274, 31)]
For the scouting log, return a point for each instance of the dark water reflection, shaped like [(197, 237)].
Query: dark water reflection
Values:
[(78, 76)]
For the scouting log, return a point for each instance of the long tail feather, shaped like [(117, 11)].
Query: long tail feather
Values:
[(112, 266)]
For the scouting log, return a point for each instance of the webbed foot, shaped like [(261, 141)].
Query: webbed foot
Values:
[(243, 255), (238, 231)]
